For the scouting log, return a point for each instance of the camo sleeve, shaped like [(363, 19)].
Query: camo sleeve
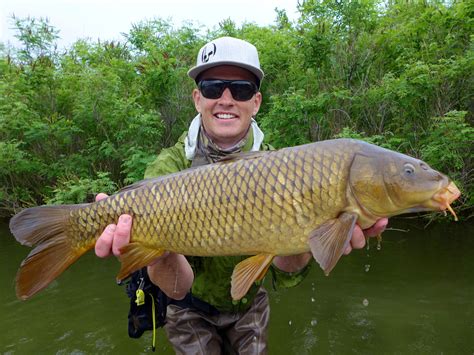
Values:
[(170, 160), (282, 279)]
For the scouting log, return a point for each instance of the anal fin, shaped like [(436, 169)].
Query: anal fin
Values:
[(134, 256), (247, 272), (329, 240)]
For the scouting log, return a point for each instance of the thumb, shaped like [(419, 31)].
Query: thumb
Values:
[(100, 196)]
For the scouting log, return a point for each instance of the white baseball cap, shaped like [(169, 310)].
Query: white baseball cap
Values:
[(227, 51)]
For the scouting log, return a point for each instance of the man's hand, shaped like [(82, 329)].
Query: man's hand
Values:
[(171, 272), (114, 236), (359, 235)]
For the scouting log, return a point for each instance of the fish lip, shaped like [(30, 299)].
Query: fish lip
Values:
[(443, 198)]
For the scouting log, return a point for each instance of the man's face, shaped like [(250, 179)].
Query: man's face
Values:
[(225, 119)]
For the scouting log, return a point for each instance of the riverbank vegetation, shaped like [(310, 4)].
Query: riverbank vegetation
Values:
[(89, 118)]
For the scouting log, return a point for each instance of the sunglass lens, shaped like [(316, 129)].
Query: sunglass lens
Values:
[(241, 90), (212, 89)]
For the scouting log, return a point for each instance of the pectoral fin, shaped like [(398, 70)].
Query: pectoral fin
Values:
[(329, 240), (247, 272), (135, 256)]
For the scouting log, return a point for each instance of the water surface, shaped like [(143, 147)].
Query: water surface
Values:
[(414, 296)]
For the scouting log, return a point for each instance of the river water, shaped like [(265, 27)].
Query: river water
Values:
[(414, 296)]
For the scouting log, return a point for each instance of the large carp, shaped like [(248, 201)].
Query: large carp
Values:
[(260, 204)]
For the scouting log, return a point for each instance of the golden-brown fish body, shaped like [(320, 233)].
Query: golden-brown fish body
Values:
[(266, 203), (269, 203)]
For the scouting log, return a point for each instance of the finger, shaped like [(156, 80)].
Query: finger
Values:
[(358, 238), (100, 196), (103, 246), (122, 233), (377, 228), (348, 249)]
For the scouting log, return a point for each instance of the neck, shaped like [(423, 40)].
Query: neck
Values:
[(223, 143), (227, 144)]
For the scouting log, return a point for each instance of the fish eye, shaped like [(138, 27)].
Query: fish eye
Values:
[(408, 169)]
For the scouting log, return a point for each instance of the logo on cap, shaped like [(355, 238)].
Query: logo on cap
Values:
[(207, 54)]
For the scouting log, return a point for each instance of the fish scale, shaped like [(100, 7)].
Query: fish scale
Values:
[(263, 204)]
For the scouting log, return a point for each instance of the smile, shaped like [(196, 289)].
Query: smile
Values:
[(225, 116)]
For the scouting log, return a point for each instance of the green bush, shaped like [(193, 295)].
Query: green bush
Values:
[(73, 190), (397, 74)]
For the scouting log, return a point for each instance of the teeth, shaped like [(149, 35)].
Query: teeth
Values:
[(224, 116)]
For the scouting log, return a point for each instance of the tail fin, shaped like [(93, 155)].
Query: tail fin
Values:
[(45, 228)]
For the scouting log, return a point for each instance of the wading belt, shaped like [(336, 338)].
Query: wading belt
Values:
[(195, 303)]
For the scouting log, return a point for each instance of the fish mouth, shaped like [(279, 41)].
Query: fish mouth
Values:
[(443, 198)]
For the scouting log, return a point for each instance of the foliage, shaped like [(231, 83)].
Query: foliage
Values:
[(38, 38), (397, 74), (449, 146), (72, 189), (387, 140)]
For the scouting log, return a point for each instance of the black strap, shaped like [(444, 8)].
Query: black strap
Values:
[(195, 303)]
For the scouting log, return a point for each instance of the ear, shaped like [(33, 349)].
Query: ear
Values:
[(197, 100), (257, 103)]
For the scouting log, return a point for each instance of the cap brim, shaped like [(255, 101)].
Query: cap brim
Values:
[(195, 71)]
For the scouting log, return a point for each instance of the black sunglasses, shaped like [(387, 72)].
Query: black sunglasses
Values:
[(241, 90)]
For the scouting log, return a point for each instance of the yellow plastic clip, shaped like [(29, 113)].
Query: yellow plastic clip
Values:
[(140, 297)]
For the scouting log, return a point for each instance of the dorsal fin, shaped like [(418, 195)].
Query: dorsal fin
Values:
[(153, 180), (242, 156), (225, 160), (141, 183)]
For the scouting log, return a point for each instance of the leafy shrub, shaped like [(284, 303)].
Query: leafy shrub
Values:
[(449, 147), (78, 190)]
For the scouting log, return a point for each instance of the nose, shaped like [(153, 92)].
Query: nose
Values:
[(442, 177), (226, 97), (424, 166)]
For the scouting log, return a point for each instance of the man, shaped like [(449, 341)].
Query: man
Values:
[(227, 97)]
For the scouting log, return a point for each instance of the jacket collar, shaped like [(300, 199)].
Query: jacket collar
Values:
[(190, 142)]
